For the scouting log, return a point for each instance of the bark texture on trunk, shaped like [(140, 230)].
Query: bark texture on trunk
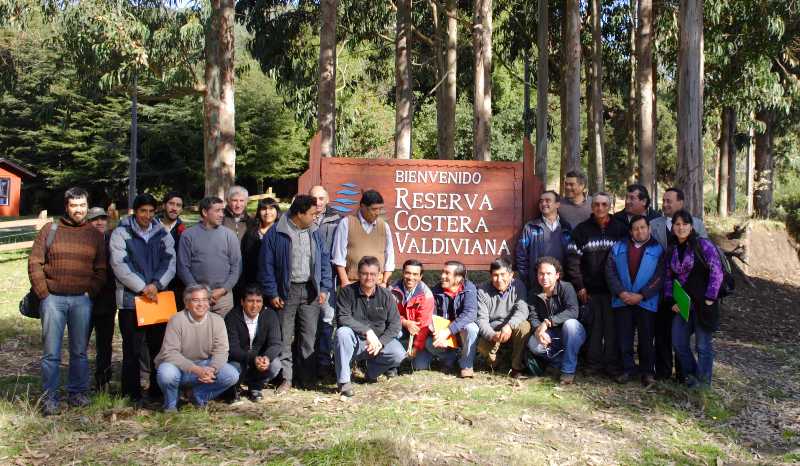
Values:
[(595, 104), (732, 161), (724, 160), (218, 105), (751, 161), (764, 165), (630, 114), (645, 90), (402, 71), (446, 96), (326, 97), (572, 88), (482, 44), (542, 86), (690, 172)]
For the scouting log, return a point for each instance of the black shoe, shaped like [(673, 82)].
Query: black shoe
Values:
[(391, 373), (255, 396), (623, 378), (346, 389)]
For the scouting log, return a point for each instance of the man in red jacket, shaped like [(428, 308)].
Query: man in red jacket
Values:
[(415, 303)]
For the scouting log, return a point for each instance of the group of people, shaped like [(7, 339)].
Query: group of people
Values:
[(283, 299)]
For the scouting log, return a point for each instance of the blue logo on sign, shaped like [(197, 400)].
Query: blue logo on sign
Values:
[(346, 197)]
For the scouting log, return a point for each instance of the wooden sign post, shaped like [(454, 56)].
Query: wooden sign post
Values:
[(437, 210)]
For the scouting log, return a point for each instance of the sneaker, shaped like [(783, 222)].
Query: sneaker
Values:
[(467, 373), (346, 389), (284, 387), (623, 378), (172, 410), (50, 408), (79, 400), (567, 379), (255, 396), (648, 381), (517, 374), (391, 373)]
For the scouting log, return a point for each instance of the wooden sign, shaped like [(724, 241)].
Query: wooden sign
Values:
[(437, 210)]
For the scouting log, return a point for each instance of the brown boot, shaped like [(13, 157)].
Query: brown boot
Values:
[(567, 379)]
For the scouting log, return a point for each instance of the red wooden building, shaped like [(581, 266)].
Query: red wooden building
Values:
[(11, 176)]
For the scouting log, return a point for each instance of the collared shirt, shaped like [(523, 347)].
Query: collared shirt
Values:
[(167, 227), (552, 226), (669, 224), (339, 253), (252, 325), (145, 234), (195, 321)]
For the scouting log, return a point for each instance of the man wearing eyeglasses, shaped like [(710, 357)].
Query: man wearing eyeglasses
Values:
[(586, 262), (363, 234), (295, 273), (368, 327)]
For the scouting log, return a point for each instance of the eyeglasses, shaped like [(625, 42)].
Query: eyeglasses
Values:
[(199, 300)]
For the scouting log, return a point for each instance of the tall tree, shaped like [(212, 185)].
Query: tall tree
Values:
[(764, 164), (645, 91), (572, 86), (595, 103), (732, 152), (482, 47), (631, 113), (447, 36), (218, 106), (542, 87), (725, 140), (326, 97), (690, 104), (403, 92)]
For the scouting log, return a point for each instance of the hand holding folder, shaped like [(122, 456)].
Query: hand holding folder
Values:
[(439, 323), (682, 300), (155, 312)]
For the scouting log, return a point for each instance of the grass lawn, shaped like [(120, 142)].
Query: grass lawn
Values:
[(419, 418)]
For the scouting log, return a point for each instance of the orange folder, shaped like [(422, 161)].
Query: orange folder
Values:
[(438, 323), (151, 312)]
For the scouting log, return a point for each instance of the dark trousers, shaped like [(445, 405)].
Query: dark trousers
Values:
[(103, 326), (299, 318), (630, 319), (663, 342), (602, 348), (134, 338)]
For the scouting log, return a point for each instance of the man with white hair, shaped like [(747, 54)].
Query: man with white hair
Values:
[(236, 217)]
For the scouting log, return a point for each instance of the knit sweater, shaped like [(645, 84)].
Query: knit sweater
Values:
[(496, 309), (187, 340), (209, 255), (75, 263)]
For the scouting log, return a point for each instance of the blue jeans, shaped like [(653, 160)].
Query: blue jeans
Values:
[(566, 341), (255, 379), (465, 355), (170, 379), (74, 313), (695, 370), (325, 331), (347, 346)]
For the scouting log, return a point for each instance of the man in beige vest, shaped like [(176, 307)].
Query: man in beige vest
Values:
[(363, 234)]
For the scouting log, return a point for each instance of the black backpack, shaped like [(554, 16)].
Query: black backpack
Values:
[(30, 303), (728, 282)]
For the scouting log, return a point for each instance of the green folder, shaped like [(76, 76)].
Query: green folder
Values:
[(682, 299)]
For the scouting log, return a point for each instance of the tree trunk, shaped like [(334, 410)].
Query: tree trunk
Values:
[(403, 93), (630, 115), (446, 92), (134, 142), (542, 86), (572, 80), (597, 143), (690, 104), (724, 155), (654, 194), (644, 85), (482, 43), (592, 168), (732, 161), (762, 192), (751, 160), (326, 98), (218, 106)]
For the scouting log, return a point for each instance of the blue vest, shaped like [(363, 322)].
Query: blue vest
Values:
[(650, 256)]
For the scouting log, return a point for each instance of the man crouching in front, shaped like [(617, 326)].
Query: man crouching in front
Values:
[(368, 327), (195, 352)]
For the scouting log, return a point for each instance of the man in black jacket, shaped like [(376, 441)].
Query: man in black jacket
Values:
[(557, 333), (254, 339), (368, 327), (586, 266)]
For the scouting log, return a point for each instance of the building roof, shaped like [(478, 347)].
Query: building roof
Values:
[(16, 168)]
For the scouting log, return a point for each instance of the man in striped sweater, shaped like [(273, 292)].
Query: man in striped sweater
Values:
[(64, 275)]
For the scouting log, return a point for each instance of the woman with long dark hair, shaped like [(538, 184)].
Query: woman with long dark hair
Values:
[(695, 264), (266, 216)]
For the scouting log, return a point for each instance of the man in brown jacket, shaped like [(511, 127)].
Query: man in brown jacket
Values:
[(65, 274)]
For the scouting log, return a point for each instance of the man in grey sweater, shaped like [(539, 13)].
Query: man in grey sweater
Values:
[(210, 254), (195, 352), (502, 316)]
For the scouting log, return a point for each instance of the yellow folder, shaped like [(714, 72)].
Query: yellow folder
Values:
[(439, 323), (152, 312)]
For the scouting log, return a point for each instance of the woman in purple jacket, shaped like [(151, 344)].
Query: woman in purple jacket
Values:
[(694, 262)]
